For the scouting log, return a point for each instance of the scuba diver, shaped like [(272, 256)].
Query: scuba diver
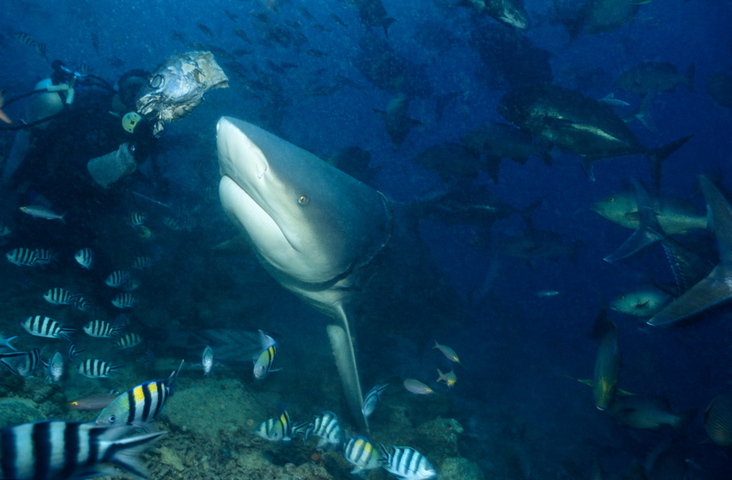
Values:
[(72, 123), (81, 139)]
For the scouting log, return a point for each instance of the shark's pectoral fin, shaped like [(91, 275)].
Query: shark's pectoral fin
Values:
[(344, 352)]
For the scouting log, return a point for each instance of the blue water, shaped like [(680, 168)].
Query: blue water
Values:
[(518, 348)]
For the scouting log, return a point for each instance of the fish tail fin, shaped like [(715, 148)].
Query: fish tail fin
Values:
[(643, 114), (649, 230), (7, 343), (388, 21), (658, 155), (125, 453)]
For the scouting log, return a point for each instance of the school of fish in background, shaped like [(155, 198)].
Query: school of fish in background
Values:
[(577, 116)]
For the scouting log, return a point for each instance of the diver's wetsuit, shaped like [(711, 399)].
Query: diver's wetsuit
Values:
[(56, 164)]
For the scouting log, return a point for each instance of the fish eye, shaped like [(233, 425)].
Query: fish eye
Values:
[(157, 81), (303, 200), (610, 199), (112, 419)]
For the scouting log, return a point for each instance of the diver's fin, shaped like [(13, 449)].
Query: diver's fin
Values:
[(345, 355), (649, 230)]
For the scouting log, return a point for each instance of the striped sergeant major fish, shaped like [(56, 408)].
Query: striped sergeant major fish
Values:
[(31, 42), (23, 257), (141, 263), (360, 452), (325, 425), (82, 304), (63, 449), (372, 399), (140, 405), (96, 368), (407, 463), (44, 256), (42, 326), (128, 341), (263, 363), (59, 296), (124, 300), (117, 278), (85, 258), (100, 329), (280, 428)]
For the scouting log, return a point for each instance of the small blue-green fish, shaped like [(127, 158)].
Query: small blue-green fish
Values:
[(55, 368), (417, 387), (360, 452), (276, 429), (129, 340), (96, 368), (140, 405), (372, 399), (41, 326), (263, 363), (85, 258), (4, 230), (547, 293), (326, 426), (39, 211), (125, 300), (65, 450), (407, 463), (447, 352)]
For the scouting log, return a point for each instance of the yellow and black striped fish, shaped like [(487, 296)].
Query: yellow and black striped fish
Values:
[(140, 405)]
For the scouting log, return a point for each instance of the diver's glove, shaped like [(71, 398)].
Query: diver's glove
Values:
[(107, 169)]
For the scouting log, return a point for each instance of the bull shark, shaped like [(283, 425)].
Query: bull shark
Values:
[(314, 228), (716, 287)]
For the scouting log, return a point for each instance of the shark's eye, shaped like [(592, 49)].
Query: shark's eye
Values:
[(303, 200)]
